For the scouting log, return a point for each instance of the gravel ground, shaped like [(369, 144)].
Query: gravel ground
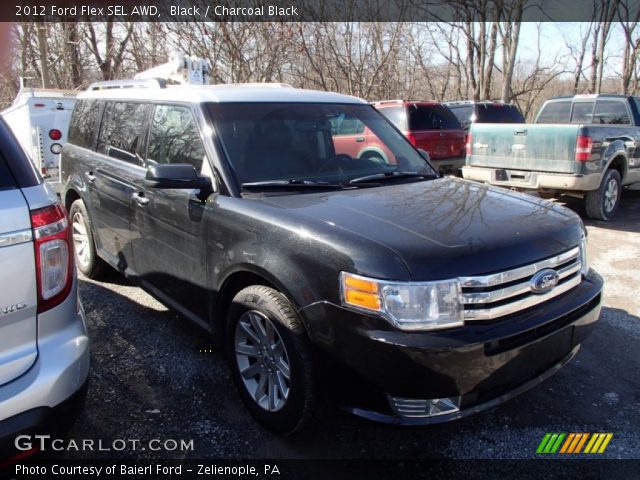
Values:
[(153, 377)]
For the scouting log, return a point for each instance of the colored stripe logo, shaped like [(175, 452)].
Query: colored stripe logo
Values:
[(593, 443)]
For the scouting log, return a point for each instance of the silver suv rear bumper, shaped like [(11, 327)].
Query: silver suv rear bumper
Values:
[(59, 373)]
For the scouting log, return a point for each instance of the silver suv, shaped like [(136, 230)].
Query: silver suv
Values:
[(44, 348)]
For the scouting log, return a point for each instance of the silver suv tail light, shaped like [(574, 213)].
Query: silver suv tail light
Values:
[(54, 262)]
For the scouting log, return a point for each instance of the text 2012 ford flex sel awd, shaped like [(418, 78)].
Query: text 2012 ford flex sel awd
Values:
[(413, 298)]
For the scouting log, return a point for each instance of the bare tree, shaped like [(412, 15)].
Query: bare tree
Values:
[(114, 40)]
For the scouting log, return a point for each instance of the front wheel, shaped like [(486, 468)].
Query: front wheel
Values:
[(601, 204), (270, 359)]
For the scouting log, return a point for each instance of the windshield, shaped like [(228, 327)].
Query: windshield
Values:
[(329, 144)]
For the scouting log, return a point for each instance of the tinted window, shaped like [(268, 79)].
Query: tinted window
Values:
[(611, 112), (463, 114), (432, 117), (174, 137), (582, 112), (555, 112), (396, 115), (121, 131), (84, 123), (6, 179), (498, 113)]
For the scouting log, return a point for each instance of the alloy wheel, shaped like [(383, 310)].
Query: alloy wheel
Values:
[(81, 239), (262, 360)]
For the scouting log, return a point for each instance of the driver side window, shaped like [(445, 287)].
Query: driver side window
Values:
[(174, 137)]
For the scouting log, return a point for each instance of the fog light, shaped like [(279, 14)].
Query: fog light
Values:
[(417, 408)]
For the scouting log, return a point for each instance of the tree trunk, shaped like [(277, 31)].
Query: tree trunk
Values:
[(42, 47)]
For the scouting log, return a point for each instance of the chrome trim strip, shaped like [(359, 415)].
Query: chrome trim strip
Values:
[(475, 298), (533, 300), (518, 273), (14, 238)]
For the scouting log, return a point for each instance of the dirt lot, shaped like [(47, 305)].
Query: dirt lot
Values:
[(152, 379)]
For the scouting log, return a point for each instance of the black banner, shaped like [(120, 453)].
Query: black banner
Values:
[(321, 469), (311, 10)]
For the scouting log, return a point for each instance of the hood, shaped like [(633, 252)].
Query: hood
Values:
[(446, 227)]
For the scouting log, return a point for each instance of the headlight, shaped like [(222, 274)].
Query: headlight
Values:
[(584, 259), (407, 306)]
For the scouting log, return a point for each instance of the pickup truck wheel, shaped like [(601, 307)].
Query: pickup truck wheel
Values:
[(84, 246), (270, 358), (601, 204)]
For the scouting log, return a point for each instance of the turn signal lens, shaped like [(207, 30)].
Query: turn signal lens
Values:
[(360, 292)]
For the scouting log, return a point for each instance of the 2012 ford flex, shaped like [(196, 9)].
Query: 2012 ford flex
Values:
[(413, 298)]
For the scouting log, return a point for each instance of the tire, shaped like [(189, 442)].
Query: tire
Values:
[(254, 310), (84, 247), (601, 204)]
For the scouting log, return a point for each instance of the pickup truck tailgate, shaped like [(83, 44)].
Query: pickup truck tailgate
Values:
[(18, 288), (539, 147)]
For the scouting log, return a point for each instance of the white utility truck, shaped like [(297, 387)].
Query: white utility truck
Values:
[(39, 119)]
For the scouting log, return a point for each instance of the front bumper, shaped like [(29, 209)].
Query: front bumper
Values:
[(531, 180), (482, 364)]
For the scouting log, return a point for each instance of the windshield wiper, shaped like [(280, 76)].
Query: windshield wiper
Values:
[(389, 175), (290, 183)]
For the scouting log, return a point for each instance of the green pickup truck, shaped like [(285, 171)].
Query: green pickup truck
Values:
[(586, 145)]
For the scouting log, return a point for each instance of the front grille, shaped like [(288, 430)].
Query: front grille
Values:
[(500, 294)]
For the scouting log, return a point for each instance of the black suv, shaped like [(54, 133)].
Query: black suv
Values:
[(468, 112), (413, 297)]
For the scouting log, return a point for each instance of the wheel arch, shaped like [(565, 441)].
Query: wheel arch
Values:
[(373, 149), (236, 280), (620, 163)]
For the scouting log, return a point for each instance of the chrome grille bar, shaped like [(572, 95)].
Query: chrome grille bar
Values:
[(533, 300), (495, 303), (518, 273), (518, 289)]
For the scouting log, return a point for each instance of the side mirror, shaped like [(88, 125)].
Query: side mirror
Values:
[(178, 175)]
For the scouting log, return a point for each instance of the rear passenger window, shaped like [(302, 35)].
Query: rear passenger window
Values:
[(174, 137), (582, 112), (611, 112), (555, 112), (121, 132), (84, 123), (435, 117)]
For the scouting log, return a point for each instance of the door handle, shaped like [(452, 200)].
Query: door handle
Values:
[(90, 176), (140, 199), (360, 139)]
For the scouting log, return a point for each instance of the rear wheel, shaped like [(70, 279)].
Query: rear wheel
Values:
[(270, 359), (602, 203), (87, 259)]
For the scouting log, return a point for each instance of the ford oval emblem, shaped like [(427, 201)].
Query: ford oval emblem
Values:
[(544, 280)]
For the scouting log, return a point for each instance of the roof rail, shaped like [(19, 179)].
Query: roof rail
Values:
[(112, 84)]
